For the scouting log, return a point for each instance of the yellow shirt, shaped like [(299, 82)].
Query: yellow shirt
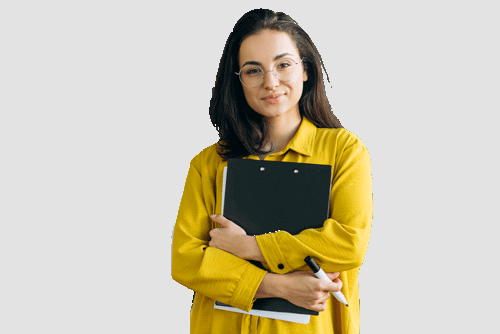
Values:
[(340, 245)]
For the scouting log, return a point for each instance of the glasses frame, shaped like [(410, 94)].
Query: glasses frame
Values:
[(264, 74)]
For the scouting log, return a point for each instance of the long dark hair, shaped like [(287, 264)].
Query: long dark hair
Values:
[(242, 131)]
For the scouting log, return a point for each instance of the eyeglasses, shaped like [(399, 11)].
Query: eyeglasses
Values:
[(253, 75)]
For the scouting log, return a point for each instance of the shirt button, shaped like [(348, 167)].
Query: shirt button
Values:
[(280, 266)]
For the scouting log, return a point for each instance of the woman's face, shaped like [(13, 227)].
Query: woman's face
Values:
[(273, 98)]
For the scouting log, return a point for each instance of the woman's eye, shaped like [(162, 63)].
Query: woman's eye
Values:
[(284, 65), (253, 71)]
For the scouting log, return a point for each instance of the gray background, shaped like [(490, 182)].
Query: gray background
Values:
[(104, 103)]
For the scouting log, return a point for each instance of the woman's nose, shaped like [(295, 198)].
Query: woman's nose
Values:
[(271, 80)]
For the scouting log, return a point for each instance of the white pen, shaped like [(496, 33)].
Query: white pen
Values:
[(321, 274)]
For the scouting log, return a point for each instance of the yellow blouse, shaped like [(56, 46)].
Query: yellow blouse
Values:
[(340, 245)]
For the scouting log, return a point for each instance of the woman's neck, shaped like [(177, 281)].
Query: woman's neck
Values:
[(280, 131)]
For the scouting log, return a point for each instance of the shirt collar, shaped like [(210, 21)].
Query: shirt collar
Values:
[(303, 140)]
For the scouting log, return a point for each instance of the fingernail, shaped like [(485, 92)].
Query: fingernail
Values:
[(213, 216)]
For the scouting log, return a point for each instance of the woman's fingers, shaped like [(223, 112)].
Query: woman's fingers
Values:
[(321, 306), (324, 297), (337, 283), (306, 290), (221, 220), (333, 276)]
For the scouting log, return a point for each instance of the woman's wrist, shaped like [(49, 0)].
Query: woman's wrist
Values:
[(252, 250), (271, 286)]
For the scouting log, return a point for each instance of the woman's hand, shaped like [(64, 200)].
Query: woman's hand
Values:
[(233, 239), (301, 288), (308, 291)]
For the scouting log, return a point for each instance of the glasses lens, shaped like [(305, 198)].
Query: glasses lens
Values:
[(251, 75), (285, 68)]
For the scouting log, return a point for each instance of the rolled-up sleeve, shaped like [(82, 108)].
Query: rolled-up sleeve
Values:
[(342, 242), (207, 270)]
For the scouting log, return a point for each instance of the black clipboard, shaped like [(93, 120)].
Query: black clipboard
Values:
[(267, 196)]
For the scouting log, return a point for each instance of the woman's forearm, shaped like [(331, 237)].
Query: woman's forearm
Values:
[(301, 288), (233, 239), (270, 287), (253, 250)]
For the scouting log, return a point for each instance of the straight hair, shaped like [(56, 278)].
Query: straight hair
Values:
[(242, 131)]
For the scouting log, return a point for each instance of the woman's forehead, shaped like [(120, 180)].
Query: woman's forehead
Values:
[(266, 46)]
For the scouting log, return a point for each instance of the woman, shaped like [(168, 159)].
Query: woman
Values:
[(269, 102)]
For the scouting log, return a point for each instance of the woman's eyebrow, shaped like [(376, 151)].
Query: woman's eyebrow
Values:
[(282, 55), (253, 62)]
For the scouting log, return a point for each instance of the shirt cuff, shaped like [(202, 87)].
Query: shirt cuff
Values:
[(243, 296), (268, 244)]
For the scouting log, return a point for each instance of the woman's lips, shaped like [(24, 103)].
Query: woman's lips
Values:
[(273, 98)]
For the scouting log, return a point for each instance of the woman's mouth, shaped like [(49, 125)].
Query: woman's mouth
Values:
[(273, 98)]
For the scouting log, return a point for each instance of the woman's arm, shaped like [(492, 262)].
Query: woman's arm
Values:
[(208, 270), (301, 288), (233, 239), (341, 243)]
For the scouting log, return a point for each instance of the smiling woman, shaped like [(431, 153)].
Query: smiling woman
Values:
[(269, 102), (280, 87), (257, 38)]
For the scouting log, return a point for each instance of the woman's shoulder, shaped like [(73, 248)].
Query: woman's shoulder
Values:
[(208, 158), (340, 138)]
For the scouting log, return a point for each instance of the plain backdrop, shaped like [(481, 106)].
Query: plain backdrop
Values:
[(104, 103)]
